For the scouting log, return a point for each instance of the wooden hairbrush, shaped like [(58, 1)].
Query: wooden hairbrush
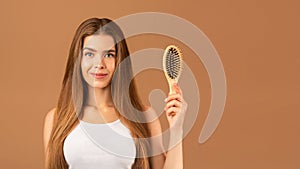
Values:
[(172, 65)]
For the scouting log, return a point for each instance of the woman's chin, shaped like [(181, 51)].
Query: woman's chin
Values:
[(100, 85)]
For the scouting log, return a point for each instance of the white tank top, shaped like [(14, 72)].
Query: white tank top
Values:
[(99, 146)]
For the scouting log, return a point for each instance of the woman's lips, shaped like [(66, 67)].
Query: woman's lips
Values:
[(99, 75)]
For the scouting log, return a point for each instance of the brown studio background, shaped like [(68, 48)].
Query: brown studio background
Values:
[(258, 45)]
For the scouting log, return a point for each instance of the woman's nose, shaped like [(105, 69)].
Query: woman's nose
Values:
[(100, 64)]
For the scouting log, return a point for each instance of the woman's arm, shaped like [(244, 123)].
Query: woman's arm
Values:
[(175, 110), (157, 161), (174, 157)]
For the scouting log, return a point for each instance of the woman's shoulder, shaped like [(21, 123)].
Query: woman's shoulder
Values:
[(150, 114), (152, 118), (50, 116), (146, 108), (48, 123)]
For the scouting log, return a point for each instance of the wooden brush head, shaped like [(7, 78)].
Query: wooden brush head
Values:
[(172, 64)]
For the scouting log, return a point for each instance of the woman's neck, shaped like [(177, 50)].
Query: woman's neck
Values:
[(99, 106), (99, 98)]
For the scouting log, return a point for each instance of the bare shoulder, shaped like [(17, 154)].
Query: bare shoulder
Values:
[(153, 121), (48, 123), (150, 114), (49, 117)]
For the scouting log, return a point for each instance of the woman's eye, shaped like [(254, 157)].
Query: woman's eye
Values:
[(89, 54), (109, 55)]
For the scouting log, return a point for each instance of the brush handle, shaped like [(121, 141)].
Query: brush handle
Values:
[(171, 86)]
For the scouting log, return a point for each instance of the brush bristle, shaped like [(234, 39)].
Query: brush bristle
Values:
[(172, 62)]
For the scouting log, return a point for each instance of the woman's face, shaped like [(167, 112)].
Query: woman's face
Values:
[(98, 60)]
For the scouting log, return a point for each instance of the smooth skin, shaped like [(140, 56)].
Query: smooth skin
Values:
[(99, 56)]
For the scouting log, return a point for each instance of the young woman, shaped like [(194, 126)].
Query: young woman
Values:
[(93, 93)]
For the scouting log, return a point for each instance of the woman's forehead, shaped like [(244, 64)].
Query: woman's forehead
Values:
[(99, 42)]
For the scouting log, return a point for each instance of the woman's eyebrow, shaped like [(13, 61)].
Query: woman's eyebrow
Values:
[(94, 50), (108, 51)]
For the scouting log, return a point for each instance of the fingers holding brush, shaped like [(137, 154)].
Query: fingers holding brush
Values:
[(173, 103)]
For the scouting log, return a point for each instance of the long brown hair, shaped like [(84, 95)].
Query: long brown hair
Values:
[(73, 95)]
